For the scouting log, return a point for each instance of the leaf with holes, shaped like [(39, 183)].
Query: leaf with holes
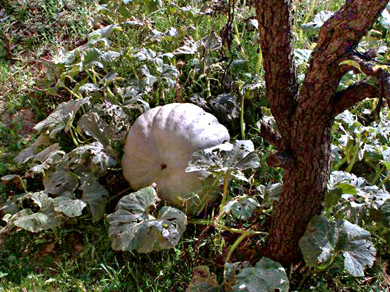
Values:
[(242, 207), (132, 228), (267, 275), (46, 217), (324, 240), (69, 205), (93, 158), (60, 182), (225, 157)]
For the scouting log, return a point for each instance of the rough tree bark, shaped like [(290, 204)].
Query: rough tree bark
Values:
[(304, 117)]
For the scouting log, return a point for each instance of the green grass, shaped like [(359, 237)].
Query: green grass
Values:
[(81, 259)]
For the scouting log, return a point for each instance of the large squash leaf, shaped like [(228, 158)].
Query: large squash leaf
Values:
[(94, 194), (242, 207), (358, 251), (92, 158), (132, 228), (45, 218), (324, 240), (267, 275), (318, 243), (203, 281), (59, 182), (69, 205), (93, 125), (61, 118), (226, 157)]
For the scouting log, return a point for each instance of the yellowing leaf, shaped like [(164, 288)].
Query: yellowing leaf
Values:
[(351, 63)]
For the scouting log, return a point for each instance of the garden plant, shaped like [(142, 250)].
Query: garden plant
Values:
[(294, 158)]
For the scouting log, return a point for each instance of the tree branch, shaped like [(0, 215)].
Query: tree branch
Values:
[(361, 90), (268, 133), (275, 29), (337, 38), (348, 97), (281, 159)]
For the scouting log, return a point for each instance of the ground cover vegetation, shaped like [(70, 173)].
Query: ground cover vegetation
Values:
[(76, 74)]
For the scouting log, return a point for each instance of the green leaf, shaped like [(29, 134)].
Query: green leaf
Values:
[(132, 228), (272, 193), (318, 243), (386, 164), (61, 117), (225, 157), (53, 158), (385, 211), (44, 219), (102, 34), (351, 63), (93, 125), (302, 56), (47, 152), (60, 182), (91, 58), (190, 47), (323, 240), (203, 281), (69, 206), (30, 152), (267, 275), (91, 158), (347, 117), (318, 21), (94, 194), (88, 88), (384, 19), (358, 250), (14, 181), (212, 42), (341, 177), (25, 155), (244, 155), (242, 207), (145, 55), (163, 233), (109, 57), (346, 188), (66, 58), (139, 203), (231, 270), (225, 107)]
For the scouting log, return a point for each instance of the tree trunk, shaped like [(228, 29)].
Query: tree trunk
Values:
[(305, 118)]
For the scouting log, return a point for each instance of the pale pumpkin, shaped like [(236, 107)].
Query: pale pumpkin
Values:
[(160, 144)]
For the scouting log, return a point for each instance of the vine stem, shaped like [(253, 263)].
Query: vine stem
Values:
[(73, 136), (224, 196), (377, 175), (355, 155), (383, 181), (235, 244), (238, 231), (242, 122), (340, 163)]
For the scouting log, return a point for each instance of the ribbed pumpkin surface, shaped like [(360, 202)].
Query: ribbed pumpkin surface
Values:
[(159, 146)]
